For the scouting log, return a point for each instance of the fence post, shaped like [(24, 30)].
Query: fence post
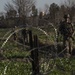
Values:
[(36, 60), (32, 52)]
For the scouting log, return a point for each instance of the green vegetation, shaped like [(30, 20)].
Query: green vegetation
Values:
[(15, 68), (17, 62)]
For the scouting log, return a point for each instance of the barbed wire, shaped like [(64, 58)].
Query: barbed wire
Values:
[(39, 48)]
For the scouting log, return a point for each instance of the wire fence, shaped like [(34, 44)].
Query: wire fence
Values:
[(33, 56)]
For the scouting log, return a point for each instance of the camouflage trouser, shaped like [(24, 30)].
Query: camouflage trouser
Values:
[(67, 44)]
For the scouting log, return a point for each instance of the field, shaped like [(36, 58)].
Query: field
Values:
[(15, 57)]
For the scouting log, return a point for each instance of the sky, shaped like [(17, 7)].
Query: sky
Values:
[(39, 3)]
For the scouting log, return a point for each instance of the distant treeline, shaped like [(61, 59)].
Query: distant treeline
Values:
[(31, 15)]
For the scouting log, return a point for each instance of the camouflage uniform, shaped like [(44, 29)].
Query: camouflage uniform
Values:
[(66, 29)]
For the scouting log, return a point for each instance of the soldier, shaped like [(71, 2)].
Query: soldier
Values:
[(66, 30)]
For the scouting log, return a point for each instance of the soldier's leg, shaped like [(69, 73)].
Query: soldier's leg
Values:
[(64, 44), (67, 46), (70, 45)]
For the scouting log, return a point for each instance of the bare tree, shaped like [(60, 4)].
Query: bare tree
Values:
[(46, 8), (70, 7), (8, 6), (23, 7), (69, 3), (19, 8), (10, 10)]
